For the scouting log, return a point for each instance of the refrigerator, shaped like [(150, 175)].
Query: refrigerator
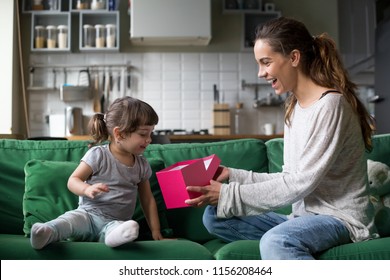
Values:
[(382, 76)]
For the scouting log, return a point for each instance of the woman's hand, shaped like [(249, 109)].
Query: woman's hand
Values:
[(222, 174), (210, 194)]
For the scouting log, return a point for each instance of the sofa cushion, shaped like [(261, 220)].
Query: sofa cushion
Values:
[(17, 247), (47, 196), (275, 154), (376, 249), (381, 149), (249, 154), (13, 156)]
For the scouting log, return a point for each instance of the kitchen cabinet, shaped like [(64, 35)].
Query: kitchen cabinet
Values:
[(170, 22), (105, 20), (66, 14), (43, 6), (253, 14), (357, 23), (250, 22), (40, 26)]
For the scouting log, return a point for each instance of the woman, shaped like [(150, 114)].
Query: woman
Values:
[(327, 130)]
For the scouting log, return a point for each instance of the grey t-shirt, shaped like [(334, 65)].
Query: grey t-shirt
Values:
[(324, 171), (119, 203)]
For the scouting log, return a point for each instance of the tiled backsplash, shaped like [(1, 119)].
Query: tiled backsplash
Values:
[(178, 85)]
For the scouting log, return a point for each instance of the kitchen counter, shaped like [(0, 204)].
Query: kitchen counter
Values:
[(12, 136), (212, 138), (186, 138)]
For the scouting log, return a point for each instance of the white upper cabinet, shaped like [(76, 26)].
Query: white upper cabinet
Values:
[(170, 22)]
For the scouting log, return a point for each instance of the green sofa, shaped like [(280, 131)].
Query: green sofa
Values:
[(33, 176)]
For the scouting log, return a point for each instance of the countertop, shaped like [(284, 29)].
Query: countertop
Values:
[(176, 138), (198, 137), (213, 137)]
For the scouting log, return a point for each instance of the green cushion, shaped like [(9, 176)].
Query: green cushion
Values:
[(239, 250), (275, 154), (381, 148), (47, 196), (16, 247), (249, 154), (376, 249), (13, 156)]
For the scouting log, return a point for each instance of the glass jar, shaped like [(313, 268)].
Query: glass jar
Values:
[(37, 5), (62, 36), (51, 36), (98, 4), (89, 36), (82, 4), (52, 5), (40, 37), (110, 35), (100, 40)]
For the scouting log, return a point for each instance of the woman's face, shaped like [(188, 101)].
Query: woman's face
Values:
[(276, 68)]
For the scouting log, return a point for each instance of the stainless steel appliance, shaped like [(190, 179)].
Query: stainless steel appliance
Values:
[(73, 121)]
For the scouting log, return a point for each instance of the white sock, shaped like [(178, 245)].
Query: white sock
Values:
[(40, 235), (125, 232)]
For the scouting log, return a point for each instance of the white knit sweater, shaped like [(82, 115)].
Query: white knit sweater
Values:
[(324, 171)]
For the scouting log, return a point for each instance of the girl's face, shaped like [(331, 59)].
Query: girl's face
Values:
[(137, 141), (277, 69)]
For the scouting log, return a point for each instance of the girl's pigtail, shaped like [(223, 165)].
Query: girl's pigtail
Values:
[(98, 129)]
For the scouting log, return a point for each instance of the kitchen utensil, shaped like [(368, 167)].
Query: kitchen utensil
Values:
[(102, 98), (221, 117), (73, 121), (80, 92), (96, 95), (84, 78)]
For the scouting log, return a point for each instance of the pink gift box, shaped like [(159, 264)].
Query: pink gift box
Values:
[(174, 179)]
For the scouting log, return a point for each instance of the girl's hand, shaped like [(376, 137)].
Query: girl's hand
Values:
[(210, 194), (96, 189), (156, 234)]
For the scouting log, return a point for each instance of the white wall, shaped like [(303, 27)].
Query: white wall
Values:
[(178, 85), (6, 50)]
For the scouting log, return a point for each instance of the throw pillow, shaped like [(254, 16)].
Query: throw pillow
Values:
[(46, 194)]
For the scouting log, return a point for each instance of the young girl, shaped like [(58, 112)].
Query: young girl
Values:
[(324, 177), (107, 181)]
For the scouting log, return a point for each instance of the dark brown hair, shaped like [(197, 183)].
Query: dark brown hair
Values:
[(127, 113), (320, 61)]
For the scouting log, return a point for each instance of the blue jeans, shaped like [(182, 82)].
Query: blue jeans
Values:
[(280, 238)]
